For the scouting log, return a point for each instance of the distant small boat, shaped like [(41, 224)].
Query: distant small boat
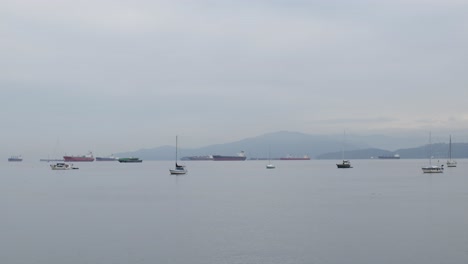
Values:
[(89, 157), (62, 166), (179, 169), (432, 168), (344, 165), (49, 160), (109, 158), (396, 156), (15, 158), (240, 157), (130, 160), (450, 162)]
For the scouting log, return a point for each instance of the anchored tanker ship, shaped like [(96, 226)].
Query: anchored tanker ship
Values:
[(396, 156), (15, 158), (109, 158), (88, 158), (240, 157)]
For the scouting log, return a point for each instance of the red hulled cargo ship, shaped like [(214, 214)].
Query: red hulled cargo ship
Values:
[(87, 158)]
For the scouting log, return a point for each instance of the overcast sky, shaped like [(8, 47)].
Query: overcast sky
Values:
[(111, 76)]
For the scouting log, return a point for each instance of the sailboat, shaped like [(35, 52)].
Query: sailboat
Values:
[(432, 168), (49, 159), (346, 164), (450, 162), (179, 169), (269, 165)]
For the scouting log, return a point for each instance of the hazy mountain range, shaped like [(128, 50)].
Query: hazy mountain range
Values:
[(281, 144), (439, 151)]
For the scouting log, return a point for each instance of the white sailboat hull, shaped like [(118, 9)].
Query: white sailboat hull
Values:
[(174, 172)]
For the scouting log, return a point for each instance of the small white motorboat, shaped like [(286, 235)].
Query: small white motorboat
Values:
[(62, 166)]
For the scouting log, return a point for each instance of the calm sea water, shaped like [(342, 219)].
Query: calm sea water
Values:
[(381, 211)]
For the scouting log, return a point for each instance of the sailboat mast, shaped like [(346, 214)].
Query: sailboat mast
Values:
[(176, 149), (343, 147), (430, 149), (269, 148), (450, 148)]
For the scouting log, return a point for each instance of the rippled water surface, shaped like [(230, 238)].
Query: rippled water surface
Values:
[(380, 211)]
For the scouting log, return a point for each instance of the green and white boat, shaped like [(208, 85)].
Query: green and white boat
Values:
[(130, 160)]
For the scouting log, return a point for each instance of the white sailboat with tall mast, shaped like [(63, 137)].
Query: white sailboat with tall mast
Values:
[(269, 165), (345, 164), (432, 168), (179, 169), (450, 162)]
